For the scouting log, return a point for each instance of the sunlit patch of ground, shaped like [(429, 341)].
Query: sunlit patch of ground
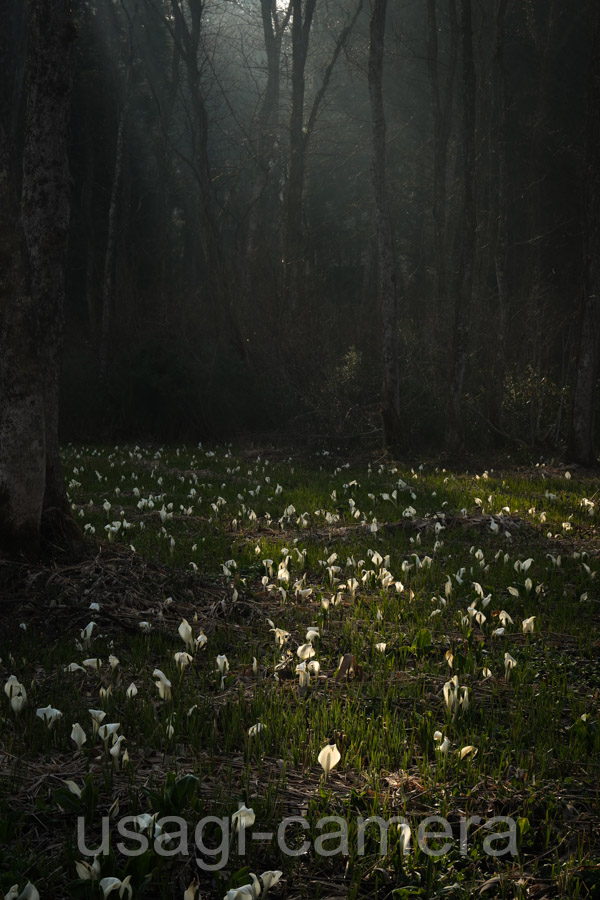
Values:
[(440, 629)]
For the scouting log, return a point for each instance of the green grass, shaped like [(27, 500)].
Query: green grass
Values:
[(200, 522)]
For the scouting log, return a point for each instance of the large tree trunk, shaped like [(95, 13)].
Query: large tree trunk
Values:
[(464, 276), (33, 248), (392, 425), (22, 444), (581, 432)]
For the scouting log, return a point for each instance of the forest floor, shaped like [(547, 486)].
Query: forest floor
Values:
[(237, 614)]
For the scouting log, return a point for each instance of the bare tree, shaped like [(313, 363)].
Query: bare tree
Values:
[(300, 134), (265, 127), (293, 253)]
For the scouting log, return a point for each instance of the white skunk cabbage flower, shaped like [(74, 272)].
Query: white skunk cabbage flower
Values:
[(163, 684), (186, 635), (243, 818), (329, 757), (509, 664), (108, 885), (78, 735), (49, 715)]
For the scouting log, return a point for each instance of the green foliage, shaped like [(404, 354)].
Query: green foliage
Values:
[(176, 795)]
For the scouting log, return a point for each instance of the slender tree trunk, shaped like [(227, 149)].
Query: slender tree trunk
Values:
[(294, 232), (442, 102), (387, 285), (111, 246), (498, 369), (87, 208), (543, 23), (464, 278), (32, 496), (266, 130), (108, 280), (261, 236), (581, 432)]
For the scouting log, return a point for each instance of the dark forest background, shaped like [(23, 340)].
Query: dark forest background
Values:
[(224, 268)]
